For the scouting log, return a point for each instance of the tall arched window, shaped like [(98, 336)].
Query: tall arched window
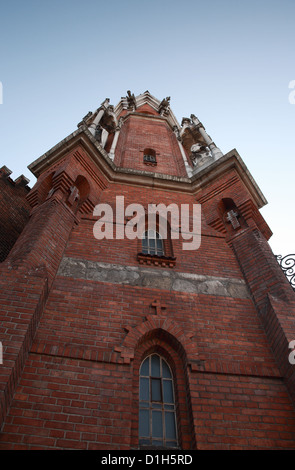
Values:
[(157, 417), (152, 243)]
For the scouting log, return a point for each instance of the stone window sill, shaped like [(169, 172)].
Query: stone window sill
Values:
[(150, 163), (164, 261)]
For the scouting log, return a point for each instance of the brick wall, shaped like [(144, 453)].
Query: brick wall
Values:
[(63, 403), (139, 133), (14, 210), (78, 390), (242, 412)]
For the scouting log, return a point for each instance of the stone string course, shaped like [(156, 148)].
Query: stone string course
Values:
[(152, 278)]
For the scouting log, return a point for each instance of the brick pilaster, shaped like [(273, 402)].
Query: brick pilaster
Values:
[(272, 295), (25, 279)]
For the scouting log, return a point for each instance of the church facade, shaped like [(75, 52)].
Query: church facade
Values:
[(122, 342)]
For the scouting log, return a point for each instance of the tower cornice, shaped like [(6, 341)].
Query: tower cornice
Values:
[(114, 174)]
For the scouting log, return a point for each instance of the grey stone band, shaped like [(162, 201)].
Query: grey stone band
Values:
[(153, 278)]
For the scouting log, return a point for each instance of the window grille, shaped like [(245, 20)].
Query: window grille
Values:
[(157, 416), (152, 243)]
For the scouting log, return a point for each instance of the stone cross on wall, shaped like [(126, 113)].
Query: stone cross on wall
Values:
[(232, 217), (157, 305), (74, 195)]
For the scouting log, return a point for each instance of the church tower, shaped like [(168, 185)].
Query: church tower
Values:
[(119, 334)]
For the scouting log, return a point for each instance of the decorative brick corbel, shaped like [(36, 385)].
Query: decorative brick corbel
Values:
[(62, 183), (253, 217)]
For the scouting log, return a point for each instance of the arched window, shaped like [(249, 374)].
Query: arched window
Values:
[(152, 243), (149, 156), (157, 417)]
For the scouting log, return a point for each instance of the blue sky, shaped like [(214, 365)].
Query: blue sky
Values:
[(227, 62)]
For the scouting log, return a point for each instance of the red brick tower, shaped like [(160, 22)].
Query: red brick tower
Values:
[(122, 343)]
